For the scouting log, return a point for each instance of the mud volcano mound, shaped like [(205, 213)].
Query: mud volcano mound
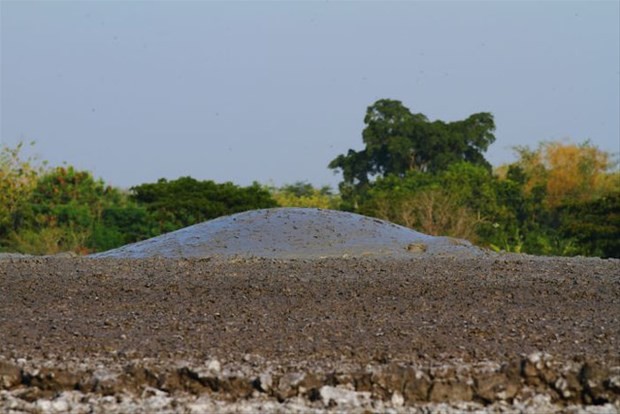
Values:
[(294, 233)]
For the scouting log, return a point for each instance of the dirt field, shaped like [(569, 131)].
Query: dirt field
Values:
[(196, 335)]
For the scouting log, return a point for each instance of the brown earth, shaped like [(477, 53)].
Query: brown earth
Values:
[(482, 329)]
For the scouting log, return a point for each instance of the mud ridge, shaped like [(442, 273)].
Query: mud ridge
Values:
[(485, 383)]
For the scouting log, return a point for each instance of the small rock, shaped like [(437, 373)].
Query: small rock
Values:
[(288, 385), (44, 406), (362, 381), (417, 247), (237, 387), (310, 383), (153, 392), (60, 405), (416, 387), (265, 382), (105, 382), (593, 377), (200, 405), (537, 369), (614, 384), (341, 397), (156, 404), (10, 375), (568, 386), (55, 380), (388, 381), (397, 399), (213, 367), (495, 387), (450, 391)]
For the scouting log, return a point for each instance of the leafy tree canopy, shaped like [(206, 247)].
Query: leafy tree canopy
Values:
[(594, 224), (398, 141), (18, 177), (564, 172), (186, 201), (457, 202)]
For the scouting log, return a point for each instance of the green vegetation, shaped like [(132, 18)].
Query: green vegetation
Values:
[(399, 142), (558, 199), (18, 178), (50, 210), (185, 201), (302, 194)]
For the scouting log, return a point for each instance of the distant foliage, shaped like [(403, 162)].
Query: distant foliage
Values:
[(397, 142), (50, 210), (303, 194), (594, 225), (65, 196), (560, 198), (564, 172), (564, 200), (185, 201), (18, 178), (122, 224), (63, 208), (453, 203)]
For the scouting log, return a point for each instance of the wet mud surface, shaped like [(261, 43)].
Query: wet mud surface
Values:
[(294, 233), (356, 334)]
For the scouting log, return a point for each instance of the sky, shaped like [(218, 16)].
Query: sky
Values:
[(273, 91)]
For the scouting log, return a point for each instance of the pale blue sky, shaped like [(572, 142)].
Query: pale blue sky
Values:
[(272, 91)]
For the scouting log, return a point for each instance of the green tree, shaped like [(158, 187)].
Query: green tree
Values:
[(62, 210), (564, 172), (459, 202), (398, 141), (594, 225), (18, 178), (185, 201), (66, 196), (122, 224), (553, 191)]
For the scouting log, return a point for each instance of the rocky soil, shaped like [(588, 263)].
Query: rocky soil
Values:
[(429, 334)]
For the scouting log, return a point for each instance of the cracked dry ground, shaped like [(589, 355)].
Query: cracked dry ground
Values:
[(326, 334)]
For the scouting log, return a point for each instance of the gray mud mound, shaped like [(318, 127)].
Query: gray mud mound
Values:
[(287, 233)]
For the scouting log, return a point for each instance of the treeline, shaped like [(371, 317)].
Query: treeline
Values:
[(46, 210), (49, 210), (556, 199)]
